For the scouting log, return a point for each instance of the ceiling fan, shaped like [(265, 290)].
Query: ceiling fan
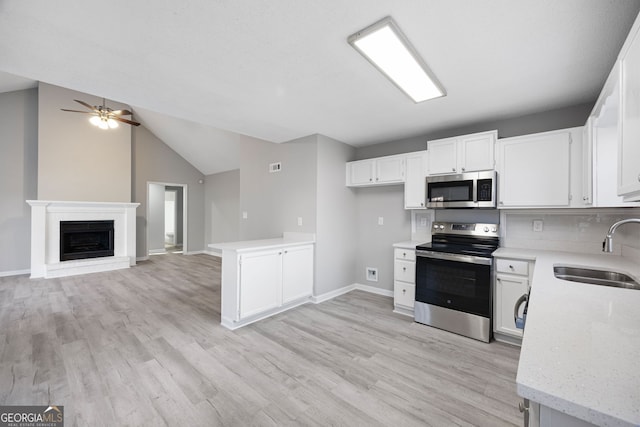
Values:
[(103, 116)]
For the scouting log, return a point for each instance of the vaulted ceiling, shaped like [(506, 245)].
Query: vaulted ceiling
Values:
[(200, 72)]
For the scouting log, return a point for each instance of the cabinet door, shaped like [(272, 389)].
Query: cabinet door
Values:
[(442, 156), (508, 290), (629, 145), (476, 152), (360, 173), (533, 171), (260, 282), (389, 169), (404, 294), (297, 273), (414, 185)]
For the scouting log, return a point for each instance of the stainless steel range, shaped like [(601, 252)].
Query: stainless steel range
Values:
[(454, 278)]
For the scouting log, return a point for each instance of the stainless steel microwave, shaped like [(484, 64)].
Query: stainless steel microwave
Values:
[(463, 190)]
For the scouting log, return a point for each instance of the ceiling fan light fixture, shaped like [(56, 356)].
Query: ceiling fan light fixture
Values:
[(112, 123), (389, 50), (95, 120), (103, 124)]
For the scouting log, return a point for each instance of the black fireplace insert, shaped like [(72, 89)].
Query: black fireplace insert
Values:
[(85, 239)]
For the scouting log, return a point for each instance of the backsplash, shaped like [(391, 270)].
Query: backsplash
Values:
[(573, 230)]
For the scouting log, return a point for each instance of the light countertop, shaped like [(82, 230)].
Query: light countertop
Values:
[(288, 239), (409, 244), (581, 348)]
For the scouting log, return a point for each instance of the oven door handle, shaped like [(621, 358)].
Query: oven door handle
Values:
[(455, 257)]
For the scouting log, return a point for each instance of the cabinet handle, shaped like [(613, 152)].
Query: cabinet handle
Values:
[(463, 169), (404, 291), (370, 179), (453, 169), (286, 252), (421, 203), (639, 177), (511, 267), (404, 268), (404, 254), (377, 178), (502, 203)]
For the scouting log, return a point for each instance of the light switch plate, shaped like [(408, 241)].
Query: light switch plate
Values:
[(538, 225)]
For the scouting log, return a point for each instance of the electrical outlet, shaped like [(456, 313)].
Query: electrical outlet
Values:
[(372, 274), (380, 220), (245, 215), (538, 225), (299, 221), (423, 222)]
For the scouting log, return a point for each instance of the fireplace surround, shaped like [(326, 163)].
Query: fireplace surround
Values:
[(47, 248)]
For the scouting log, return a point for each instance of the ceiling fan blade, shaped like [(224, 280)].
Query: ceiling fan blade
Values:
[(86, 105), (76, 111), (122, 112), (130, 122)]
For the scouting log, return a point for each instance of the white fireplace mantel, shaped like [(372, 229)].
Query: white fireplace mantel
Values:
[(45, 236)]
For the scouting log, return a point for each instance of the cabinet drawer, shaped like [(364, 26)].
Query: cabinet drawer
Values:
[(512, 266), (405, 271), (406, 254), (404, 294)]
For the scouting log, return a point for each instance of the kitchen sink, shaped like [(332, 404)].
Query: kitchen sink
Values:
[(595, 277)]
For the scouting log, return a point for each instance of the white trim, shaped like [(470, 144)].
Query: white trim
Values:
[(231, 324), (14, 273), (374, 290), (202, 252), (213, 253), (317, 299), (157, 251)]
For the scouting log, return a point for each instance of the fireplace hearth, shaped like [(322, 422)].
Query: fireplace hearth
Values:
[(86, 239)]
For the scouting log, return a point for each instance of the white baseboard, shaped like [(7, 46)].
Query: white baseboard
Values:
[(374, 290), (213, 253), (194, 252), (157, 251), (317, 299), (142, 258), (14, 273)]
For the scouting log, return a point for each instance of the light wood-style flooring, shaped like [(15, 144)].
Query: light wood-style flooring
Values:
[(144, 346)]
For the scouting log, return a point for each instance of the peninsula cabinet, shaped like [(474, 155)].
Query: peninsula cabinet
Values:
[(629, 141), (378, 171), (259, 283), (461, 154), (536, 171)]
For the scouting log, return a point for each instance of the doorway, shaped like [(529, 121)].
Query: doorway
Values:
[(166, 218)]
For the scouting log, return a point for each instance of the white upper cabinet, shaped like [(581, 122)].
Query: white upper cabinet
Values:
[(415, 175), (629, 142), (535, 170), (460, 154), (379, 171)]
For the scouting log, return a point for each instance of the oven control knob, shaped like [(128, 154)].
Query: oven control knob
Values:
[(441, 227), (486, 229), (494, 229), (435, 226)]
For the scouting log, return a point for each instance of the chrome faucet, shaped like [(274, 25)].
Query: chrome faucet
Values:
[(607, 245)]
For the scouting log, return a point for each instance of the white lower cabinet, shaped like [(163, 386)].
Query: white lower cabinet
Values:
[(257, 284), (260, 278), (404, 283), (512, 282)]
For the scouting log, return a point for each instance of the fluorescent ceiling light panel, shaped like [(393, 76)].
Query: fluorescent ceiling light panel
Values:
[(384, 45)]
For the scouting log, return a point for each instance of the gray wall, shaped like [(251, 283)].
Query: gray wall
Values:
[(222, 207), (78, 161), (18, 176), (274, 201), (336, 234), (154, 161), (374, 241)]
